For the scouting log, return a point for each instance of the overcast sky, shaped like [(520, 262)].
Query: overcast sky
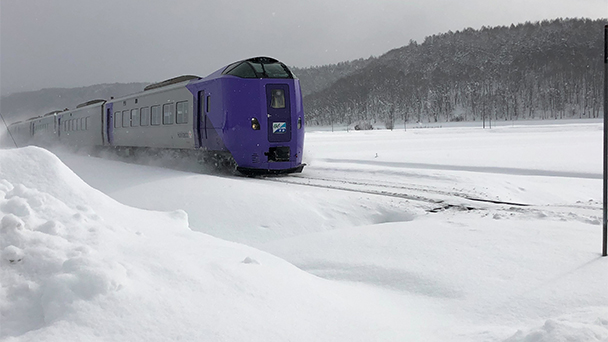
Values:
[(71, 43)]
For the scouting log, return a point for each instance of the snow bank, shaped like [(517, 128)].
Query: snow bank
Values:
[(78, 266), (574, 327)]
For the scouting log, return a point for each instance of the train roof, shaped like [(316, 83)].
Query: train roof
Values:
[(88, 103), (257, 63), (174, 80), (53, 112)]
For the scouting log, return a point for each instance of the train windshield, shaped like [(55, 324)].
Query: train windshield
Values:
[(261, 67)]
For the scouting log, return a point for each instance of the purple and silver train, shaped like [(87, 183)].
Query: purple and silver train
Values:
[(250, 111)]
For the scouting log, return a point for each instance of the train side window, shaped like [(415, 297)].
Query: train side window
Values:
[(208, 101), (86, 123), (168, 114), (144, 115), (155, 120), (126, 118), (116, 119), (135, 117), (182, 112)]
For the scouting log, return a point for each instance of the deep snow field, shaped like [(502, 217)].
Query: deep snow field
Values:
[(444, 234)]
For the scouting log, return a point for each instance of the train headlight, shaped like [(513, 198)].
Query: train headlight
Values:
[(255, 124)]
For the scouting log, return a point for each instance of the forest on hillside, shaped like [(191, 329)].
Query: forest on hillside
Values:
[(541, 70)]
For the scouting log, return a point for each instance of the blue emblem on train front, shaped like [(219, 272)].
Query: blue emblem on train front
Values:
[(279, 127)]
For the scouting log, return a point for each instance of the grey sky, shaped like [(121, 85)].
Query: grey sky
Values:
[(69, 43)]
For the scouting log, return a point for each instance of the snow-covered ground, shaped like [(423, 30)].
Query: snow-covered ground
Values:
[(446, 234)]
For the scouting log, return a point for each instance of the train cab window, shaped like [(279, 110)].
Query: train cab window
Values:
[(181, 110), (230, 67), (277, 70), (155, 116), (134, 117), (243, 70), (278, 99), (260, 67), (126, 118), (144, 116), (168, 114), (116, 119)]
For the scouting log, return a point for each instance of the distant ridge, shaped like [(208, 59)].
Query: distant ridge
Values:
[(24, 105)]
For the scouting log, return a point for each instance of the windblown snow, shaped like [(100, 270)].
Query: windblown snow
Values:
[(146, 256)]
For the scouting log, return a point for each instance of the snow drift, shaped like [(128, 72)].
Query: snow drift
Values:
[(78, 266)]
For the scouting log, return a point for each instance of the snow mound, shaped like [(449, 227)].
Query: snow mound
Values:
[(584, 326), (49, 258), (79, 266), (53, 244)]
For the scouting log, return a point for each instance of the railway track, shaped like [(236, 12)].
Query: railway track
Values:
[(436, 198)]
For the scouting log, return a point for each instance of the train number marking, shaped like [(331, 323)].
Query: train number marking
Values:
[(185, 135)]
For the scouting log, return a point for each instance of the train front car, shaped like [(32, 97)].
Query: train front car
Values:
[(255, 105)]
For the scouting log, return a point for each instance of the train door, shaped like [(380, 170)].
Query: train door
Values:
[(279, 112), (201, 118), (109, 124)]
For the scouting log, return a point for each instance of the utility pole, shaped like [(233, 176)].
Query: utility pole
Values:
[(605, 241)]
